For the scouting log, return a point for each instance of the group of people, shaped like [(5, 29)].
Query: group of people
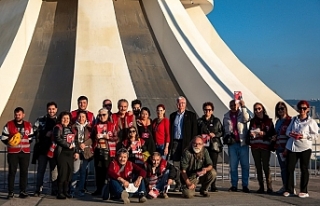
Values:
[(131, 152)]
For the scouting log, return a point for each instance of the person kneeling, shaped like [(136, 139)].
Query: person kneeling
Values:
[(126, 178), (196, 167), (159, 175)]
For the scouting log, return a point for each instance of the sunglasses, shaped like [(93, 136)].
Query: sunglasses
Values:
[(132, 131), (302, 108), (280, 109), (207, 110), (107, 105), (102, 115), (258, 109)]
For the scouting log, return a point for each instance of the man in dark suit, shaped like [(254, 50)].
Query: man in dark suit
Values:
[(183, 127)]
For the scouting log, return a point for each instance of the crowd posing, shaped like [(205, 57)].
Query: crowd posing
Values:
[(136, 156)]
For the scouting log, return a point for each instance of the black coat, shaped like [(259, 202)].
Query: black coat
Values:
[(189, 128)]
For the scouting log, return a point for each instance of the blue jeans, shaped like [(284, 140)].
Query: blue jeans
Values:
[(42, 165), (163, 181), (238, 153), (116, 188), (283, 166), (80, 168)]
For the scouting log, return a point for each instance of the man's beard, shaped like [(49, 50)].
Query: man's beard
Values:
[(196, 149)]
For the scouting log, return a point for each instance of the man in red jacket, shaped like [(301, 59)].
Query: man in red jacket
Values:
[(82, 106), (18, 151), (123, 174)]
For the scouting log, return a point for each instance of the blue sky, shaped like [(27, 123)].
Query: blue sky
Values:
[(278, 40)]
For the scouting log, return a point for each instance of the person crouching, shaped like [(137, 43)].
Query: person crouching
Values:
[(160, 175), (122, 173), (196, 167)]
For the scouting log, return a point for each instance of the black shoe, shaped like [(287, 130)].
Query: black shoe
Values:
[(10, 195), (233, 189), (269, 191), (260, 190), (67, 195), (245, 190), (96, 193), (23, 194), (142, 198), (204, 193), (213, 189), (54, 193), (37, 194), (61, 196)]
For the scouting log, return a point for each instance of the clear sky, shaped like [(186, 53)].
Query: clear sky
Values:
[(278, 40)]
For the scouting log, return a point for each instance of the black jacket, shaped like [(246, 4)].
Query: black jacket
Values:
[(189, 128)]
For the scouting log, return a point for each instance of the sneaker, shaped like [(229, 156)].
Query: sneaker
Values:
[(10, 195), (281, 191), (245, 190), (287, 194), (36, 194), (61, 196), (233, 189), (164, 195), (260, 190), (23, 194), (125, 197), (142, 198), (303, 195), (204, 193)]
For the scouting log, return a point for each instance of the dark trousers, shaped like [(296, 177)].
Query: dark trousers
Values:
[(261, 160), (176, 154), (292, 158), (65, 170), (100, 167), (15, 159), (42, 166), (214, 158)]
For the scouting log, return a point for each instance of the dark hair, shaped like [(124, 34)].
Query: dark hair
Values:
[(122, 100), (18, 109), (301, 102), (232, 101), (263, 109), (145, 109), (82, 112), (163, 107), (64, 114), (52, 104), (136, 101), (277, 106), (105, 101), (122, 151), (208, 104), (82, 98), (137, 134)]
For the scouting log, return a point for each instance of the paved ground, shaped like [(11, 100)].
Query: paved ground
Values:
[(223, 197)]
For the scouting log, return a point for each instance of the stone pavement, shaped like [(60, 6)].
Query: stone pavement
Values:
[(223, 197)]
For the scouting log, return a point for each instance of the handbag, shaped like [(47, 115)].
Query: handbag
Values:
[(104, 153), (216, 145), (229, 139)]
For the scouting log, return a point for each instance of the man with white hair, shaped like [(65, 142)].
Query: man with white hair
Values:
[(183, 127), (196, 167)]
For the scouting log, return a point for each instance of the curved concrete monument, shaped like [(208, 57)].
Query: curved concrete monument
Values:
[(154, 50)]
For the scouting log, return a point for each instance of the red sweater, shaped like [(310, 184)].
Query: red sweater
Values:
[(127, 174), (161, 131)]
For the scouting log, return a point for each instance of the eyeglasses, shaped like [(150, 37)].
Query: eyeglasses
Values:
[(302, 108), (132, 131), (258, 109), (280, 109), (102, 115), (207, 110)]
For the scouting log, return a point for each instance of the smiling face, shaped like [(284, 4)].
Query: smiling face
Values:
[(82, 104), (18, 116), (123, 107), (303, 110), (65, 120), (52, 111), (258, 110), (160, 112), (181, 104), (82, 118), (123, 158), (207, 110), (103, 115), (156, 159)]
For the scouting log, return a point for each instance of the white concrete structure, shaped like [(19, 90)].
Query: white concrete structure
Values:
[(14, 57), (100, 66)]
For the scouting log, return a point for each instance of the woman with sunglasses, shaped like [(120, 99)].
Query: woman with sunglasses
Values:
[(302, 131), (161, 131), (261, 130), (105, 139), (282, 123), (210, 128), (144, 125), (135, 146)]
